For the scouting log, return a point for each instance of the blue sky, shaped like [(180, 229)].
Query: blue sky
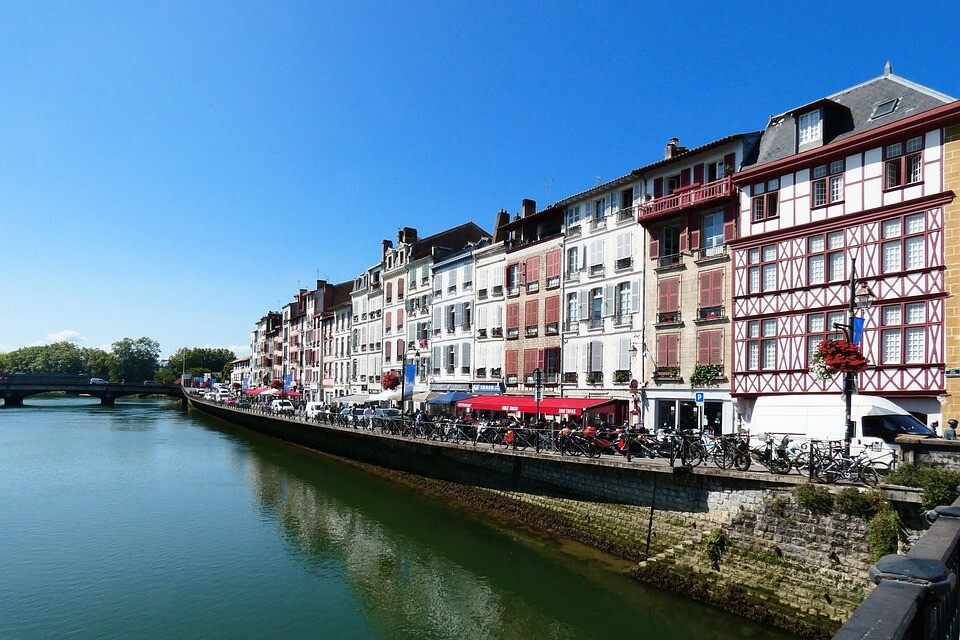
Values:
[(177, 169)]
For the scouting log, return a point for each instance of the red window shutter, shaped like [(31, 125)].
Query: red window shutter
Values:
[(400, 348), (729, 160), (531, 313), (669, 294), (510, 362), (513, 315), (685, 177), (662, 350), (530, 357), (717, 288), (399, 318), (654, 245), (389, 290), (694, 226), (667, 355), (399, 288), (703, 347), (730, 224), (386, 350), (533, 269), (673, 350), (388, 317), (553, 264), (551, 310), (698, 173), (684, 238), (658, 187), (716, 347)]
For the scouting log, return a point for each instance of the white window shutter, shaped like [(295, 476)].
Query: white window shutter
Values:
[(466, 354), (582, 257), (635, 296), (456, 355), (585, 358), (584, 305), (596, 355), (481, 317), (623, 351), (436, 317), (481, 278), (570, 358), (499, 316), (609, 300), (435, 355), (468, 273), (497, 275), (458, 315)]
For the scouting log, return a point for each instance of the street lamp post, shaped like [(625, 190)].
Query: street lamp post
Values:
[(414, 353), (860, 298)]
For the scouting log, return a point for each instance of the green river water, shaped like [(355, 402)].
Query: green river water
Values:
[(146, 521)]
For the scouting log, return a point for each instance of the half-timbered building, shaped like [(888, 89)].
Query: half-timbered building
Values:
[(849, 186)]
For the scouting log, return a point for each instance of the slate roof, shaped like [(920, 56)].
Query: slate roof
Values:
[(454, 239), (850, 112)]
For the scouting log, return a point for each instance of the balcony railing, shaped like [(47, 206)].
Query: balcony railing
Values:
[(553, 282), (572, 276), (663, 373), (498, 290), (481, 372), (625, 215), (624, 320), (481, 333), (481, 294), (531, 331), (695, 194), (671, 260), (595, 323), (570, 377), (495, 372), (513, 291), (533, 287), (597, 222), (622, 264), (513, 333), (496, 332), (551, 328), (574, 230), (511, 379), (710, 313), (706, 253), (668, 317), (570, 325)]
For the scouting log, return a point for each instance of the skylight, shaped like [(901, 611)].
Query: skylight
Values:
[(885, 108)]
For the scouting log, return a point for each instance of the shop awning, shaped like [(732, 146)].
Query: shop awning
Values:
[(423, 396), (526, 404), (449, 398), (354, 399)]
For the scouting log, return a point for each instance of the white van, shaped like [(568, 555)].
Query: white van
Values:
[(877, 421), (313, 409)]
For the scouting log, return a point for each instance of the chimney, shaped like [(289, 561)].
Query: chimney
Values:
[(503, 219), (407, 235), (671, 149), (529, 207), (387, 245)]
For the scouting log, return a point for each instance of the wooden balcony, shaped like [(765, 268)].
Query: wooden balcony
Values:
[(693, 195)]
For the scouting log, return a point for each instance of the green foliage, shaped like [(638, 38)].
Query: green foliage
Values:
[(716, 543), (814, 498), (939, 485), (134, 360), (863, 504), (59, 357), (883, 534), (705, 375), (200, 361)]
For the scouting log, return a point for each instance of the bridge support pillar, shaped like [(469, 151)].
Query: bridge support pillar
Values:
[(12, 401), (107, 401)]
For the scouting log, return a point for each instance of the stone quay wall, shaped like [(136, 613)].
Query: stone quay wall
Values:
[(781, 564)]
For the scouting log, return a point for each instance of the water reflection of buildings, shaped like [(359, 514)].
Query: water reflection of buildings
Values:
[(402, 582)]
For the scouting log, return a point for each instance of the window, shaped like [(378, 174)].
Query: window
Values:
[(820, 328), (669, 246), (884, 108), (715, 171), (668, 300), (572, 307), (513, 279), (673, 183), (711, 295), (389, 292), (903, 246), (762, 345), (598, 209), (573, 262), (827, 186), (531, 317), (765, 200), (553, 269), (762, 274), (713, 233), (810, 127), (825, 258), (668, 352), (513, 320), (596, 308), (532, 274), (709, 346), (903, 163), (551, 315), (904, 334), (623, 299), (575, 213)]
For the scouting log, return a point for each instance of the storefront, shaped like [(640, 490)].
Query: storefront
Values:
[(550, 408)]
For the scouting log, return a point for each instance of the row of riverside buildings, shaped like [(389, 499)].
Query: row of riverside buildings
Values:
[(728, 262)]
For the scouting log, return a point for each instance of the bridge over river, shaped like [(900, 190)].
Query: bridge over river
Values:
[(13, 390)]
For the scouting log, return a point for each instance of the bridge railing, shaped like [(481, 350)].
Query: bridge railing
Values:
[(916, 595)]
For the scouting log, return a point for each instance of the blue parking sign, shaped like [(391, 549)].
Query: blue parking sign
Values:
[(698, 396)]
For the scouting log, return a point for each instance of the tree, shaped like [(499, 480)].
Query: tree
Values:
[(201, 360), (59, 357), (134, 360)]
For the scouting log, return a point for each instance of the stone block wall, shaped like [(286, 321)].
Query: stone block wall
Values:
[(951, 258)]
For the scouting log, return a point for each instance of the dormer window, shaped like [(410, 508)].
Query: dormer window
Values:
[(810, 127)]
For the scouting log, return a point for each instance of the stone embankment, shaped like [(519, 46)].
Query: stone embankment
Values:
[(737, 540)]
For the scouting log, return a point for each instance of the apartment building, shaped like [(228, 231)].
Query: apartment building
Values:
[(849, 193), (343, 365), (602, 297), (367, 331), (395, 261), (689, 221), (451, 351), (532, 307), (489, 269)]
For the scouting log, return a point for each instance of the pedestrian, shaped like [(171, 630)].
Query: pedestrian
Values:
[(935, 426), (950, 433)]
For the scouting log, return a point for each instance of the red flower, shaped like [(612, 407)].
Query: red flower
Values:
[(841, 356)]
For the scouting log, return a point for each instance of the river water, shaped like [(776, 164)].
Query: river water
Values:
[(146, 521)]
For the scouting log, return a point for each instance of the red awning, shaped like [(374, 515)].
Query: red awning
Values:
[(526, 404)]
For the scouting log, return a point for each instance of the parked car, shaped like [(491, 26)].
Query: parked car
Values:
[(98, 381), (243, 403), (283, 407), (151, 383)]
